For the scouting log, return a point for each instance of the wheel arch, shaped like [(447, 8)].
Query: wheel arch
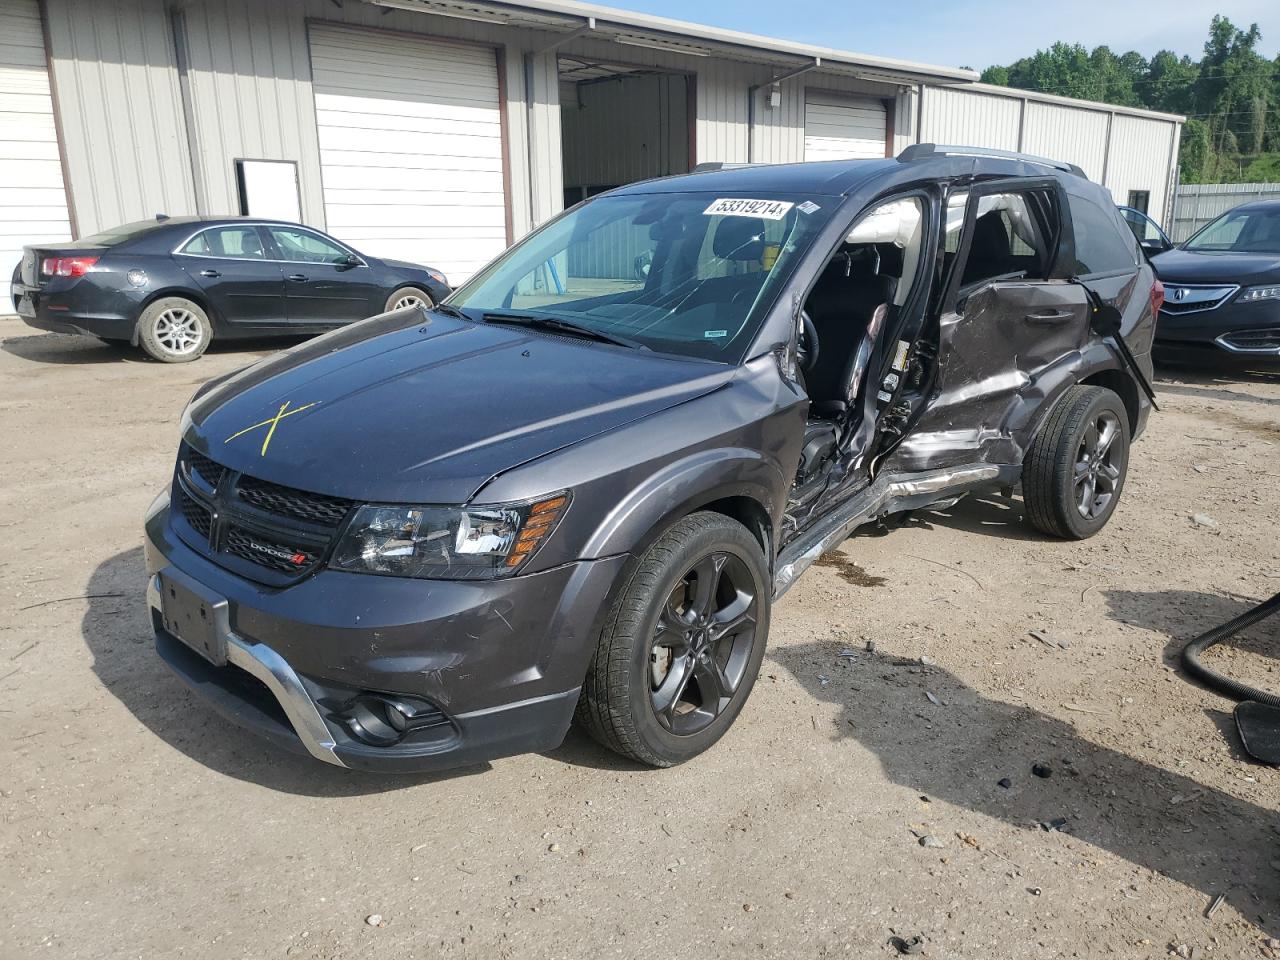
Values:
[(1121, 384), (185, 293)]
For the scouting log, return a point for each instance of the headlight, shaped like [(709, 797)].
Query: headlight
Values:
[(437, 276), (1268, 292), (446, 543)]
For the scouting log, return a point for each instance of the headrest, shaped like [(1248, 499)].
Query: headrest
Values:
[(739, 238)]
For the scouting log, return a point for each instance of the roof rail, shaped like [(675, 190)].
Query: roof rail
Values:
[(919, 151)]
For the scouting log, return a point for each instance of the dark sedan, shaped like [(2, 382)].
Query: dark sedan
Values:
[(1222, 289), (172, 284)]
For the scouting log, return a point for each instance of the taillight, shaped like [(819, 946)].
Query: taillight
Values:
[(1157, 296), (66, 266)]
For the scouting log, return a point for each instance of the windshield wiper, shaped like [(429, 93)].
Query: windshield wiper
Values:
[(558, 325), (449, 310)]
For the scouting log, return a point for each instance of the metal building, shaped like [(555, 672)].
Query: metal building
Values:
[(440, 130)]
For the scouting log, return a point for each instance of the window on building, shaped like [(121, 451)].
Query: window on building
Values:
[(1140, 200), (235, 242), (303, 246), (1104, 244)]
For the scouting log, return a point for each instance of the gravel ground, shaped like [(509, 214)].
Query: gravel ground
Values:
[(136, 823)]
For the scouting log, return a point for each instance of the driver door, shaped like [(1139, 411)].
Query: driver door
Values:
[(1009, 320)]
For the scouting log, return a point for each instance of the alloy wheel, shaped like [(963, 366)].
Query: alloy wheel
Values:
[(1097, 476), (408, 300), (702, 643), (178, 331)]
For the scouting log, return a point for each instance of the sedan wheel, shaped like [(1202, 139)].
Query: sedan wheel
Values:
[(409, 297), (174, 330), (1097, 478)]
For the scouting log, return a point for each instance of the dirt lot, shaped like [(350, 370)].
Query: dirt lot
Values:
[(135, 823)]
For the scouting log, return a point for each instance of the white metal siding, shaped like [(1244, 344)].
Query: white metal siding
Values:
[(33, 203), (628, 129), (411, 156), (843, 128), (954, 117), (1069, 134), (1139, 160), (117, 83)]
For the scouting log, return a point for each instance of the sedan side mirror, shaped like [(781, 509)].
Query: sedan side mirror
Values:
[(352, 261), (1154, 246)]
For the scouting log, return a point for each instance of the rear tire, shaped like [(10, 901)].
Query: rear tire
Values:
[(1075, 470), (409, 297), (174, 330), (694, 615)]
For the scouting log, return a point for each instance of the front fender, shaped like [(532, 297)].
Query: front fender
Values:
[(682, 487)]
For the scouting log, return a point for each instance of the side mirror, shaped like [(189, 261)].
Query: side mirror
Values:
[(352, 261), (1154, 246), (1107, 318)]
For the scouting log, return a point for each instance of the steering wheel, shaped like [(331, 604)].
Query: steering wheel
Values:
[(807, 343)]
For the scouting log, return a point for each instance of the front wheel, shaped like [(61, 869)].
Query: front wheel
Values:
[(408, 297), (174, 330), (1074, 471), (682, 645)]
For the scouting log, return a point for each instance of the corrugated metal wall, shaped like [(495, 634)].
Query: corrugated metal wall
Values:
[(978, 120), (115, 73), (1198, 203), (1076, 136), (1141, 158)]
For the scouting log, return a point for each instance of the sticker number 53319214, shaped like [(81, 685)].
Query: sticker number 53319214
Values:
[(762, 209)]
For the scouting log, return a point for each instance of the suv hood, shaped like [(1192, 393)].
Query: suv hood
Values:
[(426, 409), (1183, 266)]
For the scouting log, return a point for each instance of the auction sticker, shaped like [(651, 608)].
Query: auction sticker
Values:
[(763, 209)]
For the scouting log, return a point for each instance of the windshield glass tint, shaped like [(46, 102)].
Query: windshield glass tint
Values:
[(684, 273), (1241, 231)]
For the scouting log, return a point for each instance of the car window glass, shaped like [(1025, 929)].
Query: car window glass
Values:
[(1005, 242), (238, 242), (1241, 231), (1143, 227), (306, 247), (687, 273), (1102, 243)]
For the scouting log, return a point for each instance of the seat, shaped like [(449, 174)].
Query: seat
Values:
[(841, 306), (989, 253)]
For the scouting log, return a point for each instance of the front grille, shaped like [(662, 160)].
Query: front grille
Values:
[(1180, 298), (1252, 341), (288, 502), (272, 554), (196, 514), (259, 529), (204, 468)]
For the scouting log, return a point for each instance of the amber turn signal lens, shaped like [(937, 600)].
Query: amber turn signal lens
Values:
[(542, 518)]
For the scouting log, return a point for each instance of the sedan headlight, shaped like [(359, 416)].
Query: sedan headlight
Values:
[(1269, 291), (446, 543), (437, 276)]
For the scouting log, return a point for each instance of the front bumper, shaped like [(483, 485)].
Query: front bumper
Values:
[(1232, 332), (502, 661)]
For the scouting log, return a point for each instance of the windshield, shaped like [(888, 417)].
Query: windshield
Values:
[(683, 273), (1242, 230)]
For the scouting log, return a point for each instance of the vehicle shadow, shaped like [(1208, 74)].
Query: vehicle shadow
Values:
[(1184, 614), (1205, 839), (1212, 380), (74, 349), (987, 514), (118, 634)]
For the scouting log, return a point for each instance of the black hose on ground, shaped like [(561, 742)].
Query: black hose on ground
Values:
[(1211, 678)]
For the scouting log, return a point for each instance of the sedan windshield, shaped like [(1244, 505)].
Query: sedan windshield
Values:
[(1243, 230), (682, 273)]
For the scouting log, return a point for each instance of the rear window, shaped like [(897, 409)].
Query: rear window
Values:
[(127, 231), (1103, 243)]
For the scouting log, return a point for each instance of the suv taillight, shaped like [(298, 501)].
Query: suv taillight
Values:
[(1157, 297), (66, 266)]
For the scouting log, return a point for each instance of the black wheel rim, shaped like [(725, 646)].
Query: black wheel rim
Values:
[(1098, 466), (702, 643)]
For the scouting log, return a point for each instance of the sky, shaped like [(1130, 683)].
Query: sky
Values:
[(976, 33)]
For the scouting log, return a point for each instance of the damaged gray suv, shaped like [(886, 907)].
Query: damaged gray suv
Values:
[(576, 488)]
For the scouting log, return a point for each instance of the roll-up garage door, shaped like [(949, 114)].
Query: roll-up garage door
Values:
[(33, 204), (843, 128), (410, 147)]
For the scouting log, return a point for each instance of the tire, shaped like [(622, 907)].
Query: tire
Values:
[(1070, 490), (408, 297), (654, 644), (174, 330)]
